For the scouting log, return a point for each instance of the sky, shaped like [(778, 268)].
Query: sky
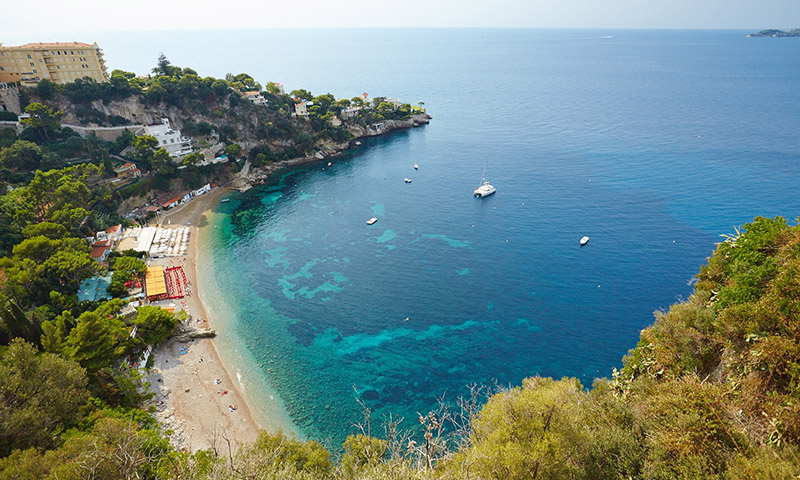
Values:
[(42, 20)]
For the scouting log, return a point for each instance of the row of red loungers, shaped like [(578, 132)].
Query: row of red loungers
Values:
[(176, 282)]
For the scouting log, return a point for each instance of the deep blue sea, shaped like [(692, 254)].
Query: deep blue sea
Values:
[(653, 143)]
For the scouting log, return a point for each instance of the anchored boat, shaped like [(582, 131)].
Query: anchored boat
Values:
[(486, 188)]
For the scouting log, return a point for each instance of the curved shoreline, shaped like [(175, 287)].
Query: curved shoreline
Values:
[(188, 384), (263, 403), (188, 378)]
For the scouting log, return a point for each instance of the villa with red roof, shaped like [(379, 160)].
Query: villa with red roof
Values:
[(104, 242), (128, 168)]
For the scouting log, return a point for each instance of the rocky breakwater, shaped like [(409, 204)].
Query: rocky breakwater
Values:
[(328, 149)]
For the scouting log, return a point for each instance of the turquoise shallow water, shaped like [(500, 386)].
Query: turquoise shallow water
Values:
[(653, 143)]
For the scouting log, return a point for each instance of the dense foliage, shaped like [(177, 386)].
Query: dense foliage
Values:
[(712, 390), (214, 108)]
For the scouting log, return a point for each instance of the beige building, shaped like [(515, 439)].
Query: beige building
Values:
[(58, 62)]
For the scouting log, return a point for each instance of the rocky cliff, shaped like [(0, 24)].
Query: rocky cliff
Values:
[(240, 121)]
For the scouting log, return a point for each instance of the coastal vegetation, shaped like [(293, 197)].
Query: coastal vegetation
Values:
[(710, 391), (213, 111)]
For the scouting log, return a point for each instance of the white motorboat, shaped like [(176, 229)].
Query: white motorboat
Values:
[(407, 180), (486, 188), (372, 220), (416, 167), (584, 240)]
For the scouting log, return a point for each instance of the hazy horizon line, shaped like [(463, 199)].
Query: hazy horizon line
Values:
[(57, 32)]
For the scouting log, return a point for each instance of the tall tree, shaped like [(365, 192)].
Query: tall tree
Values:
[(40, 396), (154, 324), (108, 166), (21, 155), (302, 94), (144, 147), (42, 119), (234, 151), (163, 65), (95, 342), (18, 324)]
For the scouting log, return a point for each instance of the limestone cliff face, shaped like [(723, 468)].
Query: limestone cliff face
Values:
[(240, 121), (9, 99), (131, 108), (241, 117), (139, 112)]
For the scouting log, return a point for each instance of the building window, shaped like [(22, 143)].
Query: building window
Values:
[(32, 65), (34, 71), (29, 56)]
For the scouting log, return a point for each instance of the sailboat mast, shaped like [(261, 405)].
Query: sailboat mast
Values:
[(483, 177)]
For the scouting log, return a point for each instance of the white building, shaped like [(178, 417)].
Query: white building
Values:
[(255, 98), (350, 111), (204, 189), (301, 109), (169, 139)]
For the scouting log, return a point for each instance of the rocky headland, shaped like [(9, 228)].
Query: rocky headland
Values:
[(777, 33)]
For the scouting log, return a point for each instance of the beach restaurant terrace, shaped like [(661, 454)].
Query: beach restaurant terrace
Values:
[(155, 284)]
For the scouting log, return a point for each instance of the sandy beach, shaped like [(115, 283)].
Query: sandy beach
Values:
[(194, 394)]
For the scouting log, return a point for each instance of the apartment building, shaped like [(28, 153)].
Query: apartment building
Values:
[(58, 62)]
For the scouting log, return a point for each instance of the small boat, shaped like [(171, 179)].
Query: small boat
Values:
[(358, 143), (416, 167), (486, 188), (407, 180), (372, 220), (225, 200), (584, 240), (329, 164)]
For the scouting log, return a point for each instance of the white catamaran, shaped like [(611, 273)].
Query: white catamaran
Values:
[(486, 188)]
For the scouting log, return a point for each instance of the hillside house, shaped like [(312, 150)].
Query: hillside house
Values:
[(168, 138), (128, 169), (255, 98)]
